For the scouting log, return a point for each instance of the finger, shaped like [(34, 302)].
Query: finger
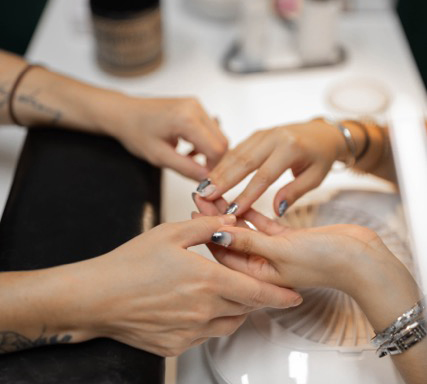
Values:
[(206, 207), (263, 223), (304, 182), (223, 326), (274, 166), (204, 140), (248, 291), (197, 342), (182, 164), (215, 208), (250, 265), (199, 230), (249, 242), (235, 166), (214, 125)]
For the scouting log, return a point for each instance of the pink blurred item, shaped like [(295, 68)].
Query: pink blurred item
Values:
[(288, 9)]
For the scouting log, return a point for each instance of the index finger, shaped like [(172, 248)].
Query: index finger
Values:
[(251, 292), (234, 167), (204, 140)]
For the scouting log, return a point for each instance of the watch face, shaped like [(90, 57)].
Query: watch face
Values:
[(326, 339)]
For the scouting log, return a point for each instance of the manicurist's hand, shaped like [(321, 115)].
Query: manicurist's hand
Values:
[(154, 294), (148, 127), (151, 128), (308, 149)]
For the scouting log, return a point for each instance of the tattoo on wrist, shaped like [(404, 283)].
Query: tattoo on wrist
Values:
[(12, 341), (31, 101)]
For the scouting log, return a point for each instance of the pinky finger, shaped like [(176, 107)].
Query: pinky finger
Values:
[(303, 183), (184, 165)]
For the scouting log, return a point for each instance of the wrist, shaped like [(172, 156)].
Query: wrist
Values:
[(36, 308), (384, 288), (334, 137)]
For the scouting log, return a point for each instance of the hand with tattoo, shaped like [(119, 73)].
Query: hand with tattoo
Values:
[(151, 293), (149, 128)]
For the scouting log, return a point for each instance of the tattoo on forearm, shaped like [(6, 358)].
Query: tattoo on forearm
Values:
[(4, 96), (31, 101), (13, 341)]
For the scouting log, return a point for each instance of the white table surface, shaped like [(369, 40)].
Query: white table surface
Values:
[(193, 50)]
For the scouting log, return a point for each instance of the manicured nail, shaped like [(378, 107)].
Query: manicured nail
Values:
[(297, 301), (221, 238), (283, 206), (232, 209), (205, 188)]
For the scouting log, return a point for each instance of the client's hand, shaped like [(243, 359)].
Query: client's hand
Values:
[(346, 257), (308, 149)]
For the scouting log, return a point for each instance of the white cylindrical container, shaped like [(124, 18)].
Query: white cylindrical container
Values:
[(317, 31), (254, 16)]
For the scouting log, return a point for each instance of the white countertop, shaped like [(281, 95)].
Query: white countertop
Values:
[(193, 49)]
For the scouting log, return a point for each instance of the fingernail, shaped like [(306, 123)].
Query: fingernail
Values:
[(205, 188), (221, 238), (193, 196), (283, 206), (297, 301), (232, 209)]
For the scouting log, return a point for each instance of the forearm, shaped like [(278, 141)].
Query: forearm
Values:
[(39, 308), (47, 98)]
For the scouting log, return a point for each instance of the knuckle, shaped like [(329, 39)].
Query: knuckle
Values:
[(246, 245), (257, 299), (263, 178), (243, 160)]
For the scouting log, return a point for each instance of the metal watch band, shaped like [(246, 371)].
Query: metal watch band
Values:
[(405, 339), (401, 322)]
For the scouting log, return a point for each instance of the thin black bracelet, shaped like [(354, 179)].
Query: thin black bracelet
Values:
[(15, 85), (367, 143)]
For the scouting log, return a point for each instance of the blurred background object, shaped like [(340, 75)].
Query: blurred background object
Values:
[(224, 10), (128, 35)]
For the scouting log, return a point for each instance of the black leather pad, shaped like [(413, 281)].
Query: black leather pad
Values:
[(74, 197)]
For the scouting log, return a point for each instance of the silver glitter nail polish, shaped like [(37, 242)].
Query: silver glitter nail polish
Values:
[(221, 238), (203, 184), (232, 209), (283, 206)]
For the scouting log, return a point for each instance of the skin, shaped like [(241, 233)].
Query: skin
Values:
[(149, 128), (307, 149), (346, 257), (151, 293)]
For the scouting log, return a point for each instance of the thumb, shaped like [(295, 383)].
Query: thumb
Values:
[(199, 230)]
